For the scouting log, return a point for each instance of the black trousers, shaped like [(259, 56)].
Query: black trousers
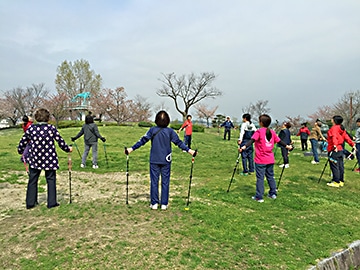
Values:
[(32, 187)]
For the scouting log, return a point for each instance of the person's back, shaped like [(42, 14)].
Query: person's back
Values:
[(264, 147)]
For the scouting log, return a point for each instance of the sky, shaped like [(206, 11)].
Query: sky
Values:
[(297, 55)]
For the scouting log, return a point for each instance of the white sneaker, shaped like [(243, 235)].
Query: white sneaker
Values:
[(82, 165), (154, 206), (284, 165), (95, 167), (314, 162), (164, 207)]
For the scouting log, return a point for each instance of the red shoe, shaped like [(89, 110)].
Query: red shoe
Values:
[(357, 170)]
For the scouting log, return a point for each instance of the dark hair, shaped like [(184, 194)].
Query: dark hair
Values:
[(287, 124), (42, 115), (25, 119), (247, 116), (338, 121), (358, 120), (89, 119), (266, 121), (304, 124), (162, 119)]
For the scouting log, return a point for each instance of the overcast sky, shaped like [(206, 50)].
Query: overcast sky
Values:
[(298, 55)]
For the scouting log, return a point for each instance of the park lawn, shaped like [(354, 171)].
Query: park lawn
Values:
[(221, 230)]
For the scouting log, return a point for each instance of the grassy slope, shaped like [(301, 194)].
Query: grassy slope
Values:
[(221, 231)]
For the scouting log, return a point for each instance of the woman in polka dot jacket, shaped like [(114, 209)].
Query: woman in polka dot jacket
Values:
[(42, 156)]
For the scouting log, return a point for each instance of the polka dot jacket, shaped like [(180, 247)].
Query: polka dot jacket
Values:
[(42, 153)]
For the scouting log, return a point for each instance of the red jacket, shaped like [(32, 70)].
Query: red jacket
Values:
[(27, 125), (188, 127), (336, 137), (303, 130)]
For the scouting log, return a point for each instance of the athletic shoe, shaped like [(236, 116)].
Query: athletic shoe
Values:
[(257, 199), (95, 167), (333, 184), (154, 206), (164, 207), (82, 165), (314, 162), (271, 196), (284, 165), (357, 170), (244, 174), (341, 184)]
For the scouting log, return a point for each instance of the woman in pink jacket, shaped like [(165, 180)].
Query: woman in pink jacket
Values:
[(264, 139)]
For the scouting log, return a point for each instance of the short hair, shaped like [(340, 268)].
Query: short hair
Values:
[(89, 119), (287, 124), (246, 116), (162, 119), (189, 115), (42, 115), (357, 120), (338, 119)]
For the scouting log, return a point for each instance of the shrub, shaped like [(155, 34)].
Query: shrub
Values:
[(145, 124)]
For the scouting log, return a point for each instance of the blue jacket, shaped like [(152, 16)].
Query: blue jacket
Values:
[(285, 136), (227, 125), (161, 138)]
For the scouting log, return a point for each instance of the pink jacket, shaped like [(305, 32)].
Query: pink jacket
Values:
[(263, 147)]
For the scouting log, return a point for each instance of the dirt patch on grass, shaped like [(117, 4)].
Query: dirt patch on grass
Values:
[(85, 187)]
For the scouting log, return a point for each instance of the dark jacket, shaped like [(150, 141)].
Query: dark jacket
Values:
[(161, 139), (90, 132)]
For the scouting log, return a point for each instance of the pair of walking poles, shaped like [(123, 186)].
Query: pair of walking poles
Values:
[(127, 177), (106, 158), (237, 164)]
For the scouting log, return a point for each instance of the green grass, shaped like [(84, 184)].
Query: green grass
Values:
[(221, 230)]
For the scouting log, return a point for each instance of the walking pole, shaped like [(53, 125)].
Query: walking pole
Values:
[(326, 163), (232, 177), (191, 172), (69, 168), (107, 164), (282, 171), (127, 175), (77, 149)]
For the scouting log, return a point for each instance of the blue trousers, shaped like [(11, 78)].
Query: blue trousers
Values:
[(314, 148), (247, 158), (32, 187), (337, 167), (155, 171), (262, 171)]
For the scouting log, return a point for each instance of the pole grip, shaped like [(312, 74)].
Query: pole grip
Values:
[(126, 151)]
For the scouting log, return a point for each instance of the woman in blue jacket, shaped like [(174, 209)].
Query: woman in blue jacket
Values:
[(161, 137), (285, 136)]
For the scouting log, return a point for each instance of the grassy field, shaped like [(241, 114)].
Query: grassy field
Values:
[(222, 230)]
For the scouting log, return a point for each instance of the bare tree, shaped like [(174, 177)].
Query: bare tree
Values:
[(257, 109), (77, 77), (203, 112), (161, 106), (142, 109), (35, 96), (323, 113), (58, 106), (115, 105), (348, 106), (15, 104), (186, 91)]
